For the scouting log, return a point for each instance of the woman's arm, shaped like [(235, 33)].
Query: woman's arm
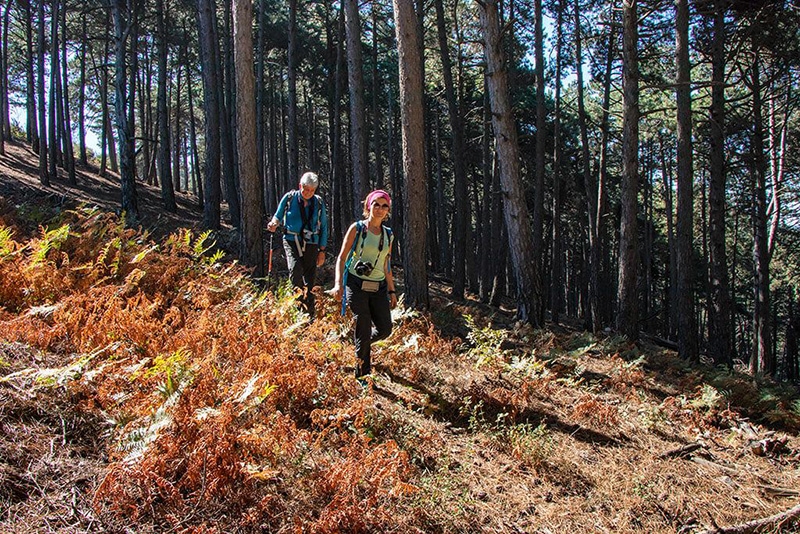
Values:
[(390, 279), (347, 246)]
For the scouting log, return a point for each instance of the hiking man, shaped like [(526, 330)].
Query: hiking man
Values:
[(303, 215)]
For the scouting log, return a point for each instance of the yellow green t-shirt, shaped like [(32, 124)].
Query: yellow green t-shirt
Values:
[(368, 249)]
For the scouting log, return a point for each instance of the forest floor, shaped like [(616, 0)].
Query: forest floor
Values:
[(147, 385)]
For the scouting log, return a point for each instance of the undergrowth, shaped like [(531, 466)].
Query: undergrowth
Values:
[(225, 409)]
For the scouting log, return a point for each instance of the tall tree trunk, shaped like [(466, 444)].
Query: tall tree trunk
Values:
[(5, 117), (291, 94), (261, 96), (762, 360), (104, 134), (208, 53), (176, 131), (198, 181), (415, 202), (164, 163), (600, 272), (687, 325), (358, 133), (461, 212), (44, 171), (520, 239), (720, 317), (557, 263), (82, 94), (251, 252), (224, 68), (32, 128), (538, 188), (592, 194), (628, 297), (53, 121), (122, 30), (69, 156), (377, 145)]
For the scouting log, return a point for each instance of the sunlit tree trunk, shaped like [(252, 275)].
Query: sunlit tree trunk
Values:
[(520, 238), (415, 204), (251, 251), (762, 360)]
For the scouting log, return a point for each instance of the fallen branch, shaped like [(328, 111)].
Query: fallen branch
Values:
[(724, 469), (759, 525), (779, 492), (680, 452)]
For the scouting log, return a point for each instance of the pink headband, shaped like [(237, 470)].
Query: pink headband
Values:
[(378, 193)]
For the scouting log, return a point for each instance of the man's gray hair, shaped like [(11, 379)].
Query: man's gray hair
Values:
[(310, 179)]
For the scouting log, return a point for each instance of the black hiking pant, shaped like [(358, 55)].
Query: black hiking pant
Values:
[(303, 271), (369, 308)]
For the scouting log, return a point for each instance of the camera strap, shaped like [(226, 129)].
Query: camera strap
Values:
[(364, 233)]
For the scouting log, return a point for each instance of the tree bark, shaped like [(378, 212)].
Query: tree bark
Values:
[(44, 171), (541, 139), (627, 293), (461, 211), (251, 251), (122, 30), (358, 143), (164, 163), (69, 156), (762, 360), (557, 262), (291, 94), (223, 64), (411, 116), (520, 238), (208, 51), (82, 95), (720, 318), (32, 128), (687, 325)]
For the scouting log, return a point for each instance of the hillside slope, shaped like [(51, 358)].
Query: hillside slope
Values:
[(149, 386)]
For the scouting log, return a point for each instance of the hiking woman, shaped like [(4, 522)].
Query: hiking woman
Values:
[(364, 275)]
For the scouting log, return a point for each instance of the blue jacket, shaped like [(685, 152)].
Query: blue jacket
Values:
[(289, 215)]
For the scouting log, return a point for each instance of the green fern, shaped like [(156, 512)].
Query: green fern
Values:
[(6, 242), (200, 247), (51, 240), (485, 342)]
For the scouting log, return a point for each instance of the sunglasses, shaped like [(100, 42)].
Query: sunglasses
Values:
[(382, 206)]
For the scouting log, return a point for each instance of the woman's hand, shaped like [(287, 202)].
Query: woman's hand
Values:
[(393, 300), (336, 292), (320, 258)]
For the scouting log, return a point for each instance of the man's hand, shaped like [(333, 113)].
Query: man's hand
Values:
[(272, 225), (320, 258)]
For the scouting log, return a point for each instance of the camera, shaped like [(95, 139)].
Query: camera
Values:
[(363, 268)]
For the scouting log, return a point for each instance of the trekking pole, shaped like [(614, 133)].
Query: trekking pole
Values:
[(269, 262)]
